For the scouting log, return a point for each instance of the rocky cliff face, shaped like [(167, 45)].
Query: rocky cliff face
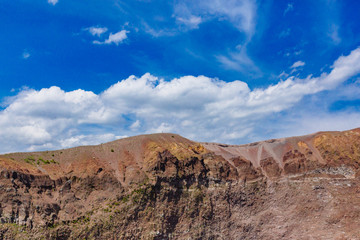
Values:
[(163, 186)]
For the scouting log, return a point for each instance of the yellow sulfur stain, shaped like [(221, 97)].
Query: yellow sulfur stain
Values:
[(302, 144)]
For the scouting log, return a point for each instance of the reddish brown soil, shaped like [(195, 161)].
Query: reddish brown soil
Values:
[(163, 186)]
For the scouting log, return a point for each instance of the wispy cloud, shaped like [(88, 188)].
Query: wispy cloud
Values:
[(239, 60), (26, 54), (334, 34), (285, 33), (115, 38), (289, 7), (164, 32), (96, 31), (241, 13), (184, 16), (53, 2), (298, 64), (191, 22), (200, 107), (283, 75), (190, 15)]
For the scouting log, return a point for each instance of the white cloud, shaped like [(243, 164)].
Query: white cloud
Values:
[(184, 16), (53, 2), (303, 118), (98, 31), (282, 75), (200, 108), (115, 38), (241, 13), (298, 64), (240, 61), (159, 32), (135, 125), (26, 55), (343, 68), (88, 140), (192, 21)]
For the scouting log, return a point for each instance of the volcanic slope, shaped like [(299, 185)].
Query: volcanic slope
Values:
[(163, 186)]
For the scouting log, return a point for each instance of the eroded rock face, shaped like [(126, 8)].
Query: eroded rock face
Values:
[(163, 186)]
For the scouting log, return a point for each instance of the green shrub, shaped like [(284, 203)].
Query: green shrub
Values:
[(107, 210), (44, 161), (53, 161), (29, 160), (125, 199)]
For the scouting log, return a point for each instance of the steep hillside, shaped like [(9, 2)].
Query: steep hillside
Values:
[(163, 186)]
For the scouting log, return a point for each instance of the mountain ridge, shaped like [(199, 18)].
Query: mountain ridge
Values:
[(164, 186)]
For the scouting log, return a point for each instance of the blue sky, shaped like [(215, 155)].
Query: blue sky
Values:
[(86, 72)]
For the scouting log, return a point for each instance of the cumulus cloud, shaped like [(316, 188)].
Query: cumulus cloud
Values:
[(200, 108), (53, 2), (97, 31), (115, 38)]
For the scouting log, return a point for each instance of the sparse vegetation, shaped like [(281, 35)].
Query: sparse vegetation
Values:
[(125, 199), (30, 160), (107, 210), (40, 160), (53, 161), (44, 161), (112, 150)]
